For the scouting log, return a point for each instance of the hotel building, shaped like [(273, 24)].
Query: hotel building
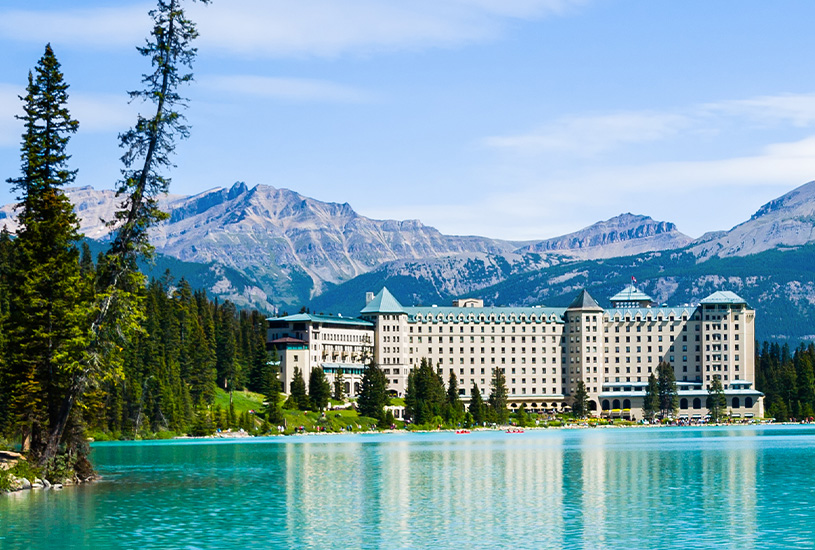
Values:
[(543, 351)]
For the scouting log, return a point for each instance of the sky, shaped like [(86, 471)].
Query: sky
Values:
[(513, 119)]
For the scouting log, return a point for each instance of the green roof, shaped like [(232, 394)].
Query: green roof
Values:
[(723, 297), (475, 314), (313, 318), (651, 312), (631, 294), (384, 302)]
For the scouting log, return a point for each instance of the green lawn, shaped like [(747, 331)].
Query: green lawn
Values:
[(243, 400)]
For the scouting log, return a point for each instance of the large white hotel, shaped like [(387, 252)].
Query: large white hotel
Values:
[(543, 351)]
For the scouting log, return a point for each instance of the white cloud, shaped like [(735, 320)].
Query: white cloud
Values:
[(698, 195), (95, 113), (292, 89), (589, 135), (585, 136), (796, 109), (98, 27), (277, 28)]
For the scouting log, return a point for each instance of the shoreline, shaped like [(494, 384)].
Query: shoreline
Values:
[(23, 484), (246, 435)]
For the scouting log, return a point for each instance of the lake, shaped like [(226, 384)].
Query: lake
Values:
[(652, 488)]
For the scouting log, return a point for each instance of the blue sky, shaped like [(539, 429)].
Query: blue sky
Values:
[(518, 119)]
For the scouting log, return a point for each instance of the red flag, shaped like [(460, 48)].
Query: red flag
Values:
[(633, 280)]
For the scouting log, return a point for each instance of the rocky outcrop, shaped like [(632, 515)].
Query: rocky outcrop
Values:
[(787, 221), (623, 235)]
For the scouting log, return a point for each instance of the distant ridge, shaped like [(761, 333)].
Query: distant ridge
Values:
[(623, 235)]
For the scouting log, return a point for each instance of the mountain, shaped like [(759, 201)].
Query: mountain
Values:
[(624, 235), (292, 247), (787, 221), (289, 249), (274, 248)]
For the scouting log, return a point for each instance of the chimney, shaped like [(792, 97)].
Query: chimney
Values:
[(369, 296)]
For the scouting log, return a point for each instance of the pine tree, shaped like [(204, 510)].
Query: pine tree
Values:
[(226, 364), (717, 402), (47, 323), (454, 408), (580, 404), (196, 358), (498, 397), (650, 404), (339, 385), (476, 407), (425, 396), (274, 409), (117, 306), (297, 392), (373, 395), (805, 378), (668, 395), (319, 390)]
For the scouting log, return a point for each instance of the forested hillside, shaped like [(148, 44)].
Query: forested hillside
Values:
[(189, 346)]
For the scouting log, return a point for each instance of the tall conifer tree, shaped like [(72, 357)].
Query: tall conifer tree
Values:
[(668, 395), (319, 390), (373, 395), (498, 397), (47, 325), (476, 407), (650, 405)]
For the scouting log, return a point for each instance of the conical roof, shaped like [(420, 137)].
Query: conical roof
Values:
[(384, 302), (584, 301)]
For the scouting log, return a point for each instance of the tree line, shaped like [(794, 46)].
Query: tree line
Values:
[(787, 380)]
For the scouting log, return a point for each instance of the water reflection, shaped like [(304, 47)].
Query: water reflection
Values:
[(557, 489), (585, 490)]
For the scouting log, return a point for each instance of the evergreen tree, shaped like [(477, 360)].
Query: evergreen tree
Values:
[(476, 408), (717, 402), (339, 385), (116, 313), (197, 362), (580, 404), (319, 390), (668, 395), (521, 416), (454, 408), (260, 367), (47, 326), (498, 397), (149, 146), (274, 409), (373, 395), (425, 396), (226, 364), (805, 378), (297, 392), (650, 404)]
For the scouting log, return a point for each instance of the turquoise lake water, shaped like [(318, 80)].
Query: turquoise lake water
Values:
[(742, 488)]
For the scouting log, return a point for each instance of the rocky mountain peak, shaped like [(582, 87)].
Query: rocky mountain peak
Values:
[(801, 198), (622, 235), (786, 221)]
